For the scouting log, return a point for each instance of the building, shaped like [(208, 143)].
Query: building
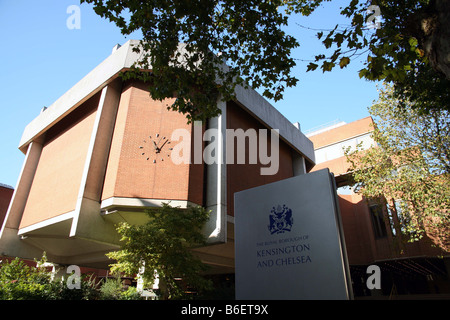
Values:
[(406, 268), (6, 193), (90, 162)]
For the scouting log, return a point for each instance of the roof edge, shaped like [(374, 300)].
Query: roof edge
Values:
[(84, 89), (122, 58)]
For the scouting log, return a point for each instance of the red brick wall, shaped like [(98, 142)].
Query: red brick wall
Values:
[(358, 234), (245, 176), (337, 166), (362, 245), (129, 173), (342, 133), (58, 175), (5, 198)]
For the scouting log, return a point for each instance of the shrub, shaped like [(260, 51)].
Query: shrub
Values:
[(19, 281), (112, 289), (88, 290)]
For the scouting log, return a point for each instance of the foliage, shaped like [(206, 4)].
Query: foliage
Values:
[(22, 281), (247, 36), (113, 289), (131, 293), (19, 281), (226, 43), (88, 290), (402, 50), (411, 163), (162, 246)]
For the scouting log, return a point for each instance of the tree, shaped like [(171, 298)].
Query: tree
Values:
[(419, 25), (162, 246), (223, 44), (227, 43), (409, 167), (409, 47)]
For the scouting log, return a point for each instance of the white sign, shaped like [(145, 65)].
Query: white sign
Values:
[(289, 241)]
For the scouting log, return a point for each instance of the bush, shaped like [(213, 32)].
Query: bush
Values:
[(20, 281), (112, 289), (87, 291)]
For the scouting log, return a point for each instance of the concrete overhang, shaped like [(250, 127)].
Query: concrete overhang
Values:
[(134, 210), (51, 236), (108, 70), (122, 59), (261, 109)]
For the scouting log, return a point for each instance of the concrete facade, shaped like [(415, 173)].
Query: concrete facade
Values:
[(89, 164)]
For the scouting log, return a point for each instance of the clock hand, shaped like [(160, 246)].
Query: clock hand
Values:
[(163, 144), (155, 146)]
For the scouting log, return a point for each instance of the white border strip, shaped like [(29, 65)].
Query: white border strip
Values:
[(93, 82), (46, 223), (142, 203)]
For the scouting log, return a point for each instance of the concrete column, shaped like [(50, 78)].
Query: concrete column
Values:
[(87, 222), (298, 164), (10, 243), (20, 195)]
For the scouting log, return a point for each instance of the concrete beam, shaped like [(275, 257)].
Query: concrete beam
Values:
[(259, 107)]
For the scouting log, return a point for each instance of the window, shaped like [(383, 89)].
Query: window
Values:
[(336, 150), (402, 216), (379, 227)]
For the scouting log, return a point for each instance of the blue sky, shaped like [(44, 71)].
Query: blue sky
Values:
[(41, 59)]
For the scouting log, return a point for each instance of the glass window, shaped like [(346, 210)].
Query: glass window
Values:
[(379, 227)]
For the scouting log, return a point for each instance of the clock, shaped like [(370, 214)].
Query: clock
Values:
[(155, 148)]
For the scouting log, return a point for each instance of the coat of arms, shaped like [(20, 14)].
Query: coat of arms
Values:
[(280, 219)]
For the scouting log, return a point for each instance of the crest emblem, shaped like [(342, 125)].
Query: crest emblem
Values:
[(280, 220)]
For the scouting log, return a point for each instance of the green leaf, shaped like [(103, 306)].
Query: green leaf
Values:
[(312, 67), (344, 62), (327, 42), (327, 66), (413, 42), (362, 73)]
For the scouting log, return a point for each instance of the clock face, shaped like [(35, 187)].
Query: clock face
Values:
[(156, 148)]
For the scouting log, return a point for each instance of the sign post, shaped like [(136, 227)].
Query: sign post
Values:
[(289, 243)]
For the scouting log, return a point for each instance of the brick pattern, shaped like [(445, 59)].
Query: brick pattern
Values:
[(58, 175), (131, 171), (342, 133), (5, 198), (245, 176)]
